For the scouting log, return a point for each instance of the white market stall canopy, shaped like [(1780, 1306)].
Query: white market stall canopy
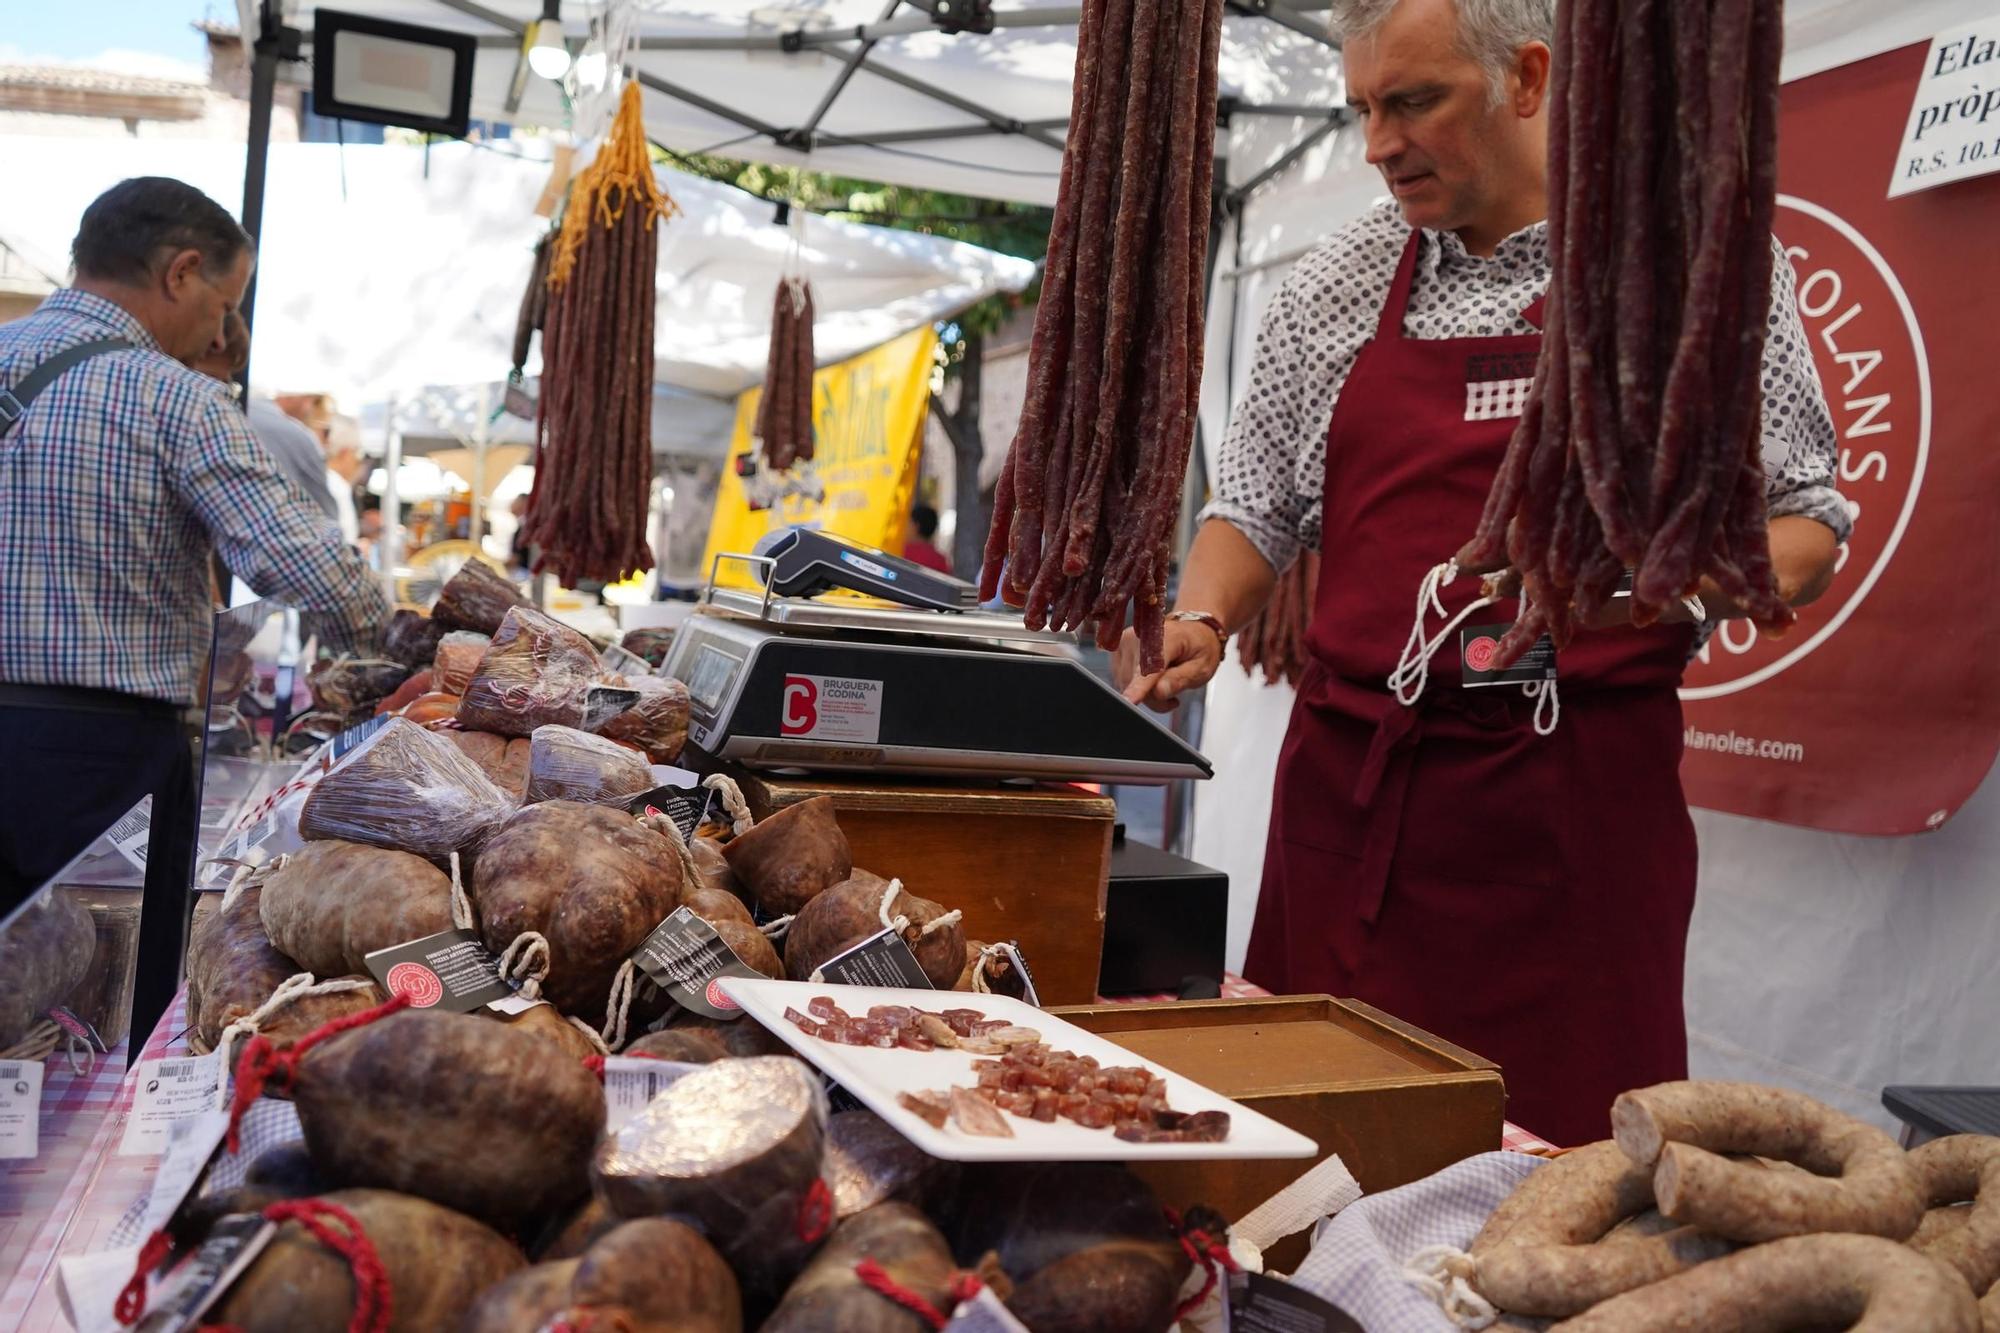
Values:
[(876, 89), (388, 270)]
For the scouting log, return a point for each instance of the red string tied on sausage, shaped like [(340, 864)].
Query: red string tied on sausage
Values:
[(338, 1230), (131, 1303), (595, 1064), (1205, 1252), (262, 1061), (964, 1287), (815, 1215)]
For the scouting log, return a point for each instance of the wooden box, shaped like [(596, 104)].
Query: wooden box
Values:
[(1396, 1103), (1027, 864)]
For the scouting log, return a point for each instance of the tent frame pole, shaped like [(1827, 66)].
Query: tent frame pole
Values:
[(257, 154)]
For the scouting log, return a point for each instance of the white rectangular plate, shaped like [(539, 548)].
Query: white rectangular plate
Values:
[(876, 1076)]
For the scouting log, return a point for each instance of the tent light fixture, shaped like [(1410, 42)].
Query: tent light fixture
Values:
[(548, 55)]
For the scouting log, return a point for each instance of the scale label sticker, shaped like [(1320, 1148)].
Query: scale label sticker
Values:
[(832, 708)]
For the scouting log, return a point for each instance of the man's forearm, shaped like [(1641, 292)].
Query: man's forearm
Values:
[(1225, 575)]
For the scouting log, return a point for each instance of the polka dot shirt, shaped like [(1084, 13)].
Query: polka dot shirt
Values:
[(1273, 460)]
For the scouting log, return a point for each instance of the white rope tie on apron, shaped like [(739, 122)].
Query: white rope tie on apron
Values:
[(1442, 1273), (1413, 668), (1548, 705)]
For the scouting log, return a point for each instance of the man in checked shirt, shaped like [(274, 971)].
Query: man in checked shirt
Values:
[(121, 476)]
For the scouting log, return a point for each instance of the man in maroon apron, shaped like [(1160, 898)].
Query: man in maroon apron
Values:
[(1524, 895)]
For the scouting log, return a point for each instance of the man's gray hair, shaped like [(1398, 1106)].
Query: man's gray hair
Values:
[(1491, 32)]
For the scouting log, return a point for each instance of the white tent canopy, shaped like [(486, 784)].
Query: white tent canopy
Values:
[(387, 270), (876, 90)]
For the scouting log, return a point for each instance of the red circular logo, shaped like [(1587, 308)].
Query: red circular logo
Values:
[(718, 997), (418, 982), (1479, 653), (1869, 350)]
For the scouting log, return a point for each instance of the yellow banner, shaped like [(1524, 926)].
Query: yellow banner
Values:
[(868, 421)]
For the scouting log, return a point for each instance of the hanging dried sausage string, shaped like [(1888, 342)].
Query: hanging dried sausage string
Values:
[(1089, 499), (594, 457)]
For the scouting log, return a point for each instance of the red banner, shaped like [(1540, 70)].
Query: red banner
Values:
[(1880, 711)]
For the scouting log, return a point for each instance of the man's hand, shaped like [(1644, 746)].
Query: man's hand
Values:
[(1193, 653)]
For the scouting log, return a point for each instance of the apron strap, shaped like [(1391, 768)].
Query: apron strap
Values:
[(1390, 327)]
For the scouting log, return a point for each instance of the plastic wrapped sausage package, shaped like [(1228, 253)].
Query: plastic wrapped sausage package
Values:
[(407, 789), (536, 672), (565, 764), (458, 656), (739, 1146), (657, 722)]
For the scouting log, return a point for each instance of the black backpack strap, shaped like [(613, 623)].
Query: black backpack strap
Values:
[(14, 402)]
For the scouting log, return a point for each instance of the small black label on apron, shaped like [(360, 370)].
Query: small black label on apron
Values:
[(1479, 644)]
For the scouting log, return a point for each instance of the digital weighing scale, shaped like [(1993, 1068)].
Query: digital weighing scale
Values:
[(862, 684)]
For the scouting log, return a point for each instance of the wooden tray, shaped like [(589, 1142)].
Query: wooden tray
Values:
[(1393, 1101)]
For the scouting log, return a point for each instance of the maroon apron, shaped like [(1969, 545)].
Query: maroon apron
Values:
[(1524, 896)]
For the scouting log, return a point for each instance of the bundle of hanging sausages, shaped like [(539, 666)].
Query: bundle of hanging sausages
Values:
[(784, 411), (1275, 641), (594, 458), (1084, 517), (1639, 447), (1730, 1205)]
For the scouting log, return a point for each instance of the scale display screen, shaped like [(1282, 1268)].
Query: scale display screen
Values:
[(709, 681)]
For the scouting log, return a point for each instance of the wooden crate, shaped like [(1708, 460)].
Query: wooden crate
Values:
[(1396, 1103), (1028, 864)]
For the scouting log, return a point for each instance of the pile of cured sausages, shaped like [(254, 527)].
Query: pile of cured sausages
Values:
[(594, 429), (1639, 447), (1086, 507), (1731, 1205)]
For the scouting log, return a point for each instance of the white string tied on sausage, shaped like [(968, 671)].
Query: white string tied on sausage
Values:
[(596, 1038), (1548, 705), (1443, 1274), (664, 825), (298, 986), (979, 967), (73, 1044), (525, 965), (1696, 608), (1413, 668), (618, 1005), (778, 929), (461, 905), (236, 884), (732, 801), (899, 923)]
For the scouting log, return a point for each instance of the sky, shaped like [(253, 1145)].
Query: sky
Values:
[(135, 36)]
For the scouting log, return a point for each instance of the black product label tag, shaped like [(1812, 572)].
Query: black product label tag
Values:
[(1624, 585), (193, 1288), (1477, 645), (601, 703), (344, 744), (684, 957), (451, 971), (1260, 1303), (1012, 953), (883, 959), (688, 807), (76, 1027)]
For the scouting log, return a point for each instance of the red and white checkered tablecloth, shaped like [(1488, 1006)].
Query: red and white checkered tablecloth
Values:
[(77, 1189), (1512, 1137)]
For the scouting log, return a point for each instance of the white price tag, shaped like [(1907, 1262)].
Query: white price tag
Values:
[(514, 1004), (20, 1110), (191, 1144), (87, 1285), (984, 1314), (630, 1083), (169, 1092), (130, 834)]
